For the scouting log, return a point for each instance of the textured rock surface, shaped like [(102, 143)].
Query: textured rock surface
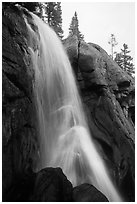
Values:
[(71, 45), (51, 185), (20, 146), (21, 189), (19, 134), (88, 193), (48, 185), (108, 95)]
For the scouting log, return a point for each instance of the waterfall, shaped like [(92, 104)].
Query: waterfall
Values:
[(64, 136)]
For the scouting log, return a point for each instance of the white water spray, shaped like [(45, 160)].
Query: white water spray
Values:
[(65, 140)]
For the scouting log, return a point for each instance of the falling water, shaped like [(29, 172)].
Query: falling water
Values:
[(65, 140)]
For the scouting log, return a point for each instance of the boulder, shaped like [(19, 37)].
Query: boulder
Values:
[(48, 185), (88, 193), (51, 185)]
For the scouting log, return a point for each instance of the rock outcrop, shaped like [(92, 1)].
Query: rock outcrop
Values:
[(88, 193), (48, 185), (19, 140), (108, 95), (51, 185)]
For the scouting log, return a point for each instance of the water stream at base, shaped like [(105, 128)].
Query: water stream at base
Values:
[(64, 136)]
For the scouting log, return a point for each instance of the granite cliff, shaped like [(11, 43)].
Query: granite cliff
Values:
[(108, 97)]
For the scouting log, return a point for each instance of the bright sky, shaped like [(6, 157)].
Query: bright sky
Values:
[(98, 20)]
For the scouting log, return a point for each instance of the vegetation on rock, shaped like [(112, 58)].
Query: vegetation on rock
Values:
[(125, 61), (74, 27)]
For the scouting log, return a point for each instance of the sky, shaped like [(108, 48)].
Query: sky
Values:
[(98, 20)]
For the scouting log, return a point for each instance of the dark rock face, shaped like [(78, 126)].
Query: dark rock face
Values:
[(108, 96), (20, 146), (51, 185), (19, 133), (71, 45), (88, 193), (21, 188), (48, 185)]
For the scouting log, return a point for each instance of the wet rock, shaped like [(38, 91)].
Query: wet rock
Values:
[(108, 95), (48, 185), (72, 45), (88, 193), (21, 188), (51, 185), (19, 143)]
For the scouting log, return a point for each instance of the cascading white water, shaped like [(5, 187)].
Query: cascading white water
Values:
[(65, 140)]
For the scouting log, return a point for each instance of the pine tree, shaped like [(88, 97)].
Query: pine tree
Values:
[(39, 10), (118, 59), (53, 17), (74, 27), (124, 60), (57, 19)]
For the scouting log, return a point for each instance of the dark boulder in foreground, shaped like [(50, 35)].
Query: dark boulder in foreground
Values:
[(48, 185), (51, 185), (88, 193), (108, 95)]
